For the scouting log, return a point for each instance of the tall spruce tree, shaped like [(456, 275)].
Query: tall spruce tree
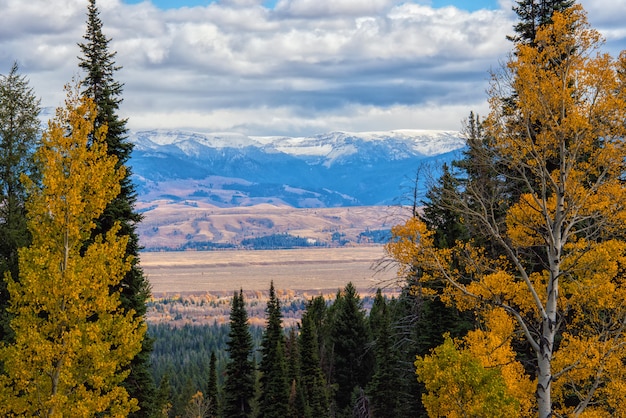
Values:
[(405, 316), (349, 336), (318, 312), (274, 396), (212, 393), (444, 219), (239, 384), (163, 403), (377, 313), (382, 390), (19, 132), (420, 316), (315, 390), (296, 405), (100, 85)]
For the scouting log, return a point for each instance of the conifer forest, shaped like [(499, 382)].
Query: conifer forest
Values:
[(509, 299)]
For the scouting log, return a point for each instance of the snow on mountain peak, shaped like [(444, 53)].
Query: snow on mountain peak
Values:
[(426, 142), (161, 137), (333, 144), (330, 147), (330, 169)]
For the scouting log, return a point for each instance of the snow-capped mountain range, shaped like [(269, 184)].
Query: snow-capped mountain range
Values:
[(332, 169)]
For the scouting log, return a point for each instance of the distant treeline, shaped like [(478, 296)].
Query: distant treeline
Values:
[(278, 241), (375, 236), (281, 241)]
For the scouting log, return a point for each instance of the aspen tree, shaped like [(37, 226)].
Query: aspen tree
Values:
[(560, 274), (72, 342)]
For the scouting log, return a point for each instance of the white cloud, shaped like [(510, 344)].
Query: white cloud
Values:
[(318, 9), (306, 66), (285, 121)]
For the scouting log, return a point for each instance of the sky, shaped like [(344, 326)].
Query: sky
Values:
[(282, 67)]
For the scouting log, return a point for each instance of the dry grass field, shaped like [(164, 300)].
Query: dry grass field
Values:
[(196, 286), (306, 269)]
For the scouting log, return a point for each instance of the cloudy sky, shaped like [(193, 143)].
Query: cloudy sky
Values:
[(282, 67)]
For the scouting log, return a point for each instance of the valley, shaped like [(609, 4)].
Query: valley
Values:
[(312, 270), (197, 286)]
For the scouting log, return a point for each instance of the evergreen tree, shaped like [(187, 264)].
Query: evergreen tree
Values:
[(274, 395), (318, 313), (434, 317), (212, 394), (19, 130), (296, 407), (480, 173), (349, 336), (239, 384), (100, 85), (405, 313), (420, 316), (444, 219), (316, 394), (382, 389), (534, 13), (377, 313), (163, 401)]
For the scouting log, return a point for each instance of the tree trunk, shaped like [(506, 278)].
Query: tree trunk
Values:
[(544, 373)]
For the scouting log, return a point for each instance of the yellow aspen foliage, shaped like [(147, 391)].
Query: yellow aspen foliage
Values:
[(404, 247), (483, 352), (198, 407), (557, 131), (491, 346), (412, 245), (459, 386), (72, 340)]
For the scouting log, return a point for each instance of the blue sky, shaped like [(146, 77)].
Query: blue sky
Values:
[(300, 67), (470, 5)]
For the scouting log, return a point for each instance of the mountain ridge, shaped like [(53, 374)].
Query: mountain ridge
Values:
[(341, 168)]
